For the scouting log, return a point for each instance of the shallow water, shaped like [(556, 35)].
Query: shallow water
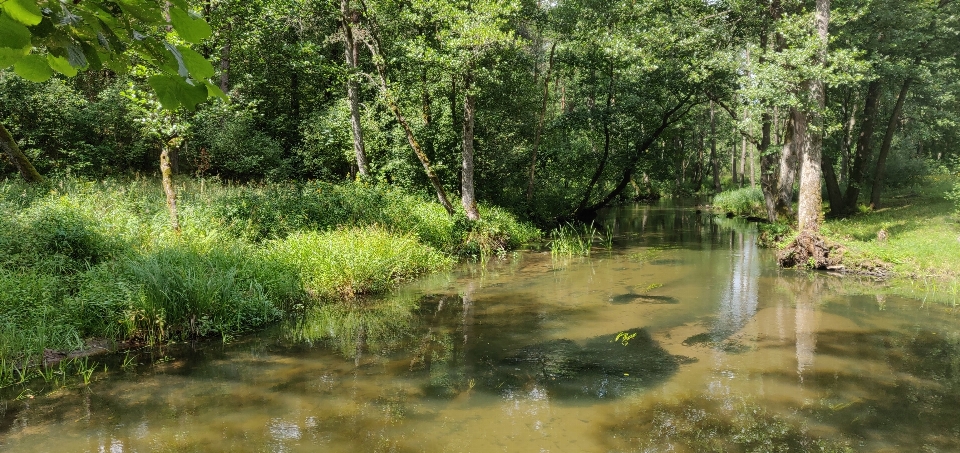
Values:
[(683, 337)]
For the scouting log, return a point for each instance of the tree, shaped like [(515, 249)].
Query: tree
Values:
[(41, 37)]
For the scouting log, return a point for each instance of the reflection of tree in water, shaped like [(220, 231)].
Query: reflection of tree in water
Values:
[(915, 407), (738, 303), (706, 424)]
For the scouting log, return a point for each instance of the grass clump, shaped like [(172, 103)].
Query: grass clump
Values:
[(572, 240), (745, 202), (347, 263)]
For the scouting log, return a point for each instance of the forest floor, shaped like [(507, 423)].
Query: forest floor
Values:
[(914, 235)]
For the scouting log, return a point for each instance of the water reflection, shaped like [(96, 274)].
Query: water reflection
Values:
[(705, 346)]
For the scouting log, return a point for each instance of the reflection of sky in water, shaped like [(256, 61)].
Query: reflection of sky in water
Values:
[(738, 303)]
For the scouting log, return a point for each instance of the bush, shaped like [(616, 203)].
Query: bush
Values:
[(347, 263), (747, 201), (54, 236)]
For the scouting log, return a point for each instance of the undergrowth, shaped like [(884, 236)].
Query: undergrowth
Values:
[(83, 259), (745, 202)]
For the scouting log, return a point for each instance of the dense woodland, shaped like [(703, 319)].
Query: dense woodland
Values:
[(550, 109)]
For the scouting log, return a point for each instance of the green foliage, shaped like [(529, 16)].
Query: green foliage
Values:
[(33, 315), (747, 201), (347, 263), (192, 290), (224, 140), (44, 36)]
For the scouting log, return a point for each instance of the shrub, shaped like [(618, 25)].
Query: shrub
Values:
[(352, 262), (747, 201)]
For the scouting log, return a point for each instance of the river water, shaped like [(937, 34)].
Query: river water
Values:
[(684, 336)]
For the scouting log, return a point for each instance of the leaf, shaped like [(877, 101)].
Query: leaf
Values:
[(198, 66), (33, 68), (12, 34), (192, 30), (24, 11), (61, 65), (215, 92), (174, 92), (181, 66), (10, 56)]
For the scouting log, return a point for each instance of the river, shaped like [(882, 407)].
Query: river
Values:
[(684, 336)]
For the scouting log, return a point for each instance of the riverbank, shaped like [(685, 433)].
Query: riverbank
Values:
[(915, 234), (85, 259)]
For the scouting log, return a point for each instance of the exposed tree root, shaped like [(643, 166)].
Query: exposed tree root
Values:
[(811, 251)]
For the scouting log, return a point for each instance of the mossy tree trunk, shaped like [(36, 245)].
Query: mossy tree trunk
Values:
[(19, 160), (467, 197), (166, 174)]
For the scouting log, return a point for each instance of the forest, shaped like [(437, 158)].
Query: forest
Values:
[(150, 147)]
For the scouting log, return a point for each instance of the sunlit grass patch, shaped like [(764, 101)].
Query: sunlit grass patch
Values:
[(569, 240), (352, 262), (920, 235), (747, 201)]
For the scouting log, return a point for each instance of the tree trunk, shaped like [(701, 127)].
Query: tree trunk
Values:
[(833, 186), (788, 167), (350, 52), (19, 160), (864, 148), (166, 175), (809, 206), (768, 169), (885, 147), (467, 197), (715, 163), (768, 159), (380, 64), (225, 59), (734, 180), (606, 145), (668, 118), (539, 132)]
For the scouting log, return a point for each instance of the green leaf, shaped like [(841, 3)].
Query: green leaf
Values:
[(61, 65), (173, 92), (198, 66), (24, 11), (215, 92), (33, 68), (192, 30), (12, 34), (10, 56)]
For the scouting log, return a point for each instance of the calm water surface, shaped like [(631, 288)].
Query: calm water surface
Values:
[(683, 337)]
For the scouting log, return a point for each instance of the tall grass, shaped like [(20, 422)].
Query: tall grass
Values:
[(570, 239), (81, 259), (747, 201), (347, 263)]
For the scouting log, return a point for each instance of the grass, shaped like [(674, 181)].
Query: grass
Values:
[(922, 233), (83, 259), (570, 240), (745, 202)]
